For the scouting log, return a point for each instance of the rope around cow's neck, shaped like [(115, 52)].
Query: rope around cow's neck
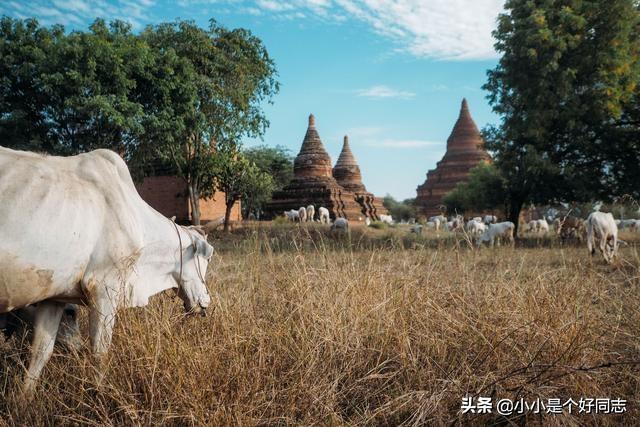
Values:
[(195, 253), (180, 243)]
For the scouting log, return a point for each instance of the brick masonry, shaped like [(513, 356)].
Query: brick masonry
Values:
[(169, 196)]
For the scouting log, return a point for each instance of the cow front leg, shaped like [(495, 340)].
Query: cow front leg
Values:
[(45, 329), (102, 318)]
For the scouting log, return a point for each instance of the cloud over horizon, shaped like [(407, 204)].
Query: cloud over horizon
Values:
[(439, 29), (382, 91)]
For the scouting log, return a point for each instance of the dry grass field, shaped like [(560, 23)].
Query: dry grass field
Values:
[(379, 328)]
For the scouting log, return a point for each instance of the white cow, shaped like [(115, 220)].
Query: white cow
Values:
[(532, 226), (490, 219), (87, 237), (440, 218), (436, 221), (628, 224), (340, 225), (302, 214), (603, 232), (311, 212), (475, 228), (417, 229), (456, 223), (387, 219), (542, 226), (501, 230), (292, 215), (323, 215)]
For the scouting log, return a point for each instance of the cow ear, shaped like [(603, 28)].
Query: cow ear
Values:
[(203, 248)]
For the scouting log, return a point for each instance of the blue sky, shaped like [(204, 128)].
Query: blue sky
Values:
[(389, 73)]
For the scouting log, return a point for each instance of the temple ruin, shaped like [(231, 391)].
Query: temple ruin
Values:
[(314, 183), (347, 173), (465, 149)]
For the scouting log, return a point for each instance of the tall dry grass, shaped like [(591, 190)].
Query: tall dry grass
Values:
[(375, 329)]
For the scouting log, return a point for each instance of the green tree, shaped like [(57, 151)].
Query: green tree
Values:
[(568, 73), (175, 92), (238, 179), (233, 75), (403, 210), (68, 93), (483, 191), (276, 161)]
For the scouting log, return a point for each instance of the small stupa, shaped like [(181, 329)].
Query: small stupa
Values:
[(347, 173), (465, 149), (313, 183)]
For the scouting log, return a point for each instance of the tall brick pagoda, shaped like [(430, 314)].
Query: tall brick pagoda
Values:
[(465, 149), (313, 183), (347, 173)]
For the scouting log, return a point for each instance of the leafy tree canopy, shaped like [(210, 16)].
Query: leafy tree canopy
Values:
[(566, 88), (174, 93)]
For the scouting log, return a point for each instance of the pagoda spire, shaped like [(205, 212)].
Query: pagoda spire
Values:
[(346, 171), (312, 160), (465, 135)]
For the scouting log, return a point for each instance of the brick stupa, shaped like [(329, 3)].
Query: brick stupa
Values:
[(313, 183), (347, 173), (465, 149)]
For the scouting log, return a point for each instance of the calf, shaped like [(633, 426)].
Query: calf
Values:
[(603, 232), (499, 231)]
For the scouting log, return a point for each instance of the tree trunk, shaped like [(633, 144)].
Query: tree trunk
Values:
[(194, 199), (227, 213), (514, 215)]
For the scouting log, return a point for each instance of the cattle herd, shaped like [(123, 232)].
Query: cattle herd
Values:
[(600, 230), (87, 237)]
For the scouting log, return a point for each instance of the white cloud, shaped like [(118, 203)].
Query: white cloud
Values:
[(274, 5), (81, 12), (441, 29), (381, 91)]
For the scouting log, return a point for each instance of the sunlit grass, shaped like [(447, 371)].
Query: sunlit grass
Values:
[(378, 327)]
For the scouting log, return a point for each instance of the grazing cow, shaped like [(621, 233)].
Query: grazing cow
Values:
[(439, 221), (475, 227), (87, 237), (436, 221), (340, 225), (499, 231), (416, 229), (387, 219), (323, 215), (532, 226), (490, 219), (603, 232), (311, 212), (630, 224), (302, 214), (570, 226), (542, 226), (292, 215), (456, 224)]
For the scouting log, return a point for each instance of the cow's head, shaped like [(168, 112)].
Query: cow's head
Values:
[(192, 287)]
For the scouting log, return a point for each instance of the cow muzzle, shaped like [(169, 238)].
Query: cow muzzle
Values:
[(195, 309)]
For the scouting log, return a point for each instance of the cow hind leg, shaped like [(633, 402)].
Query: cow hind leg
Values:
[(45, 329)]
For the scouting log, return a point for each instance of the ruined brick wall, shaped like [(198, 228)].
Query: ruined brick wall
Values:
[(169, 196)]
